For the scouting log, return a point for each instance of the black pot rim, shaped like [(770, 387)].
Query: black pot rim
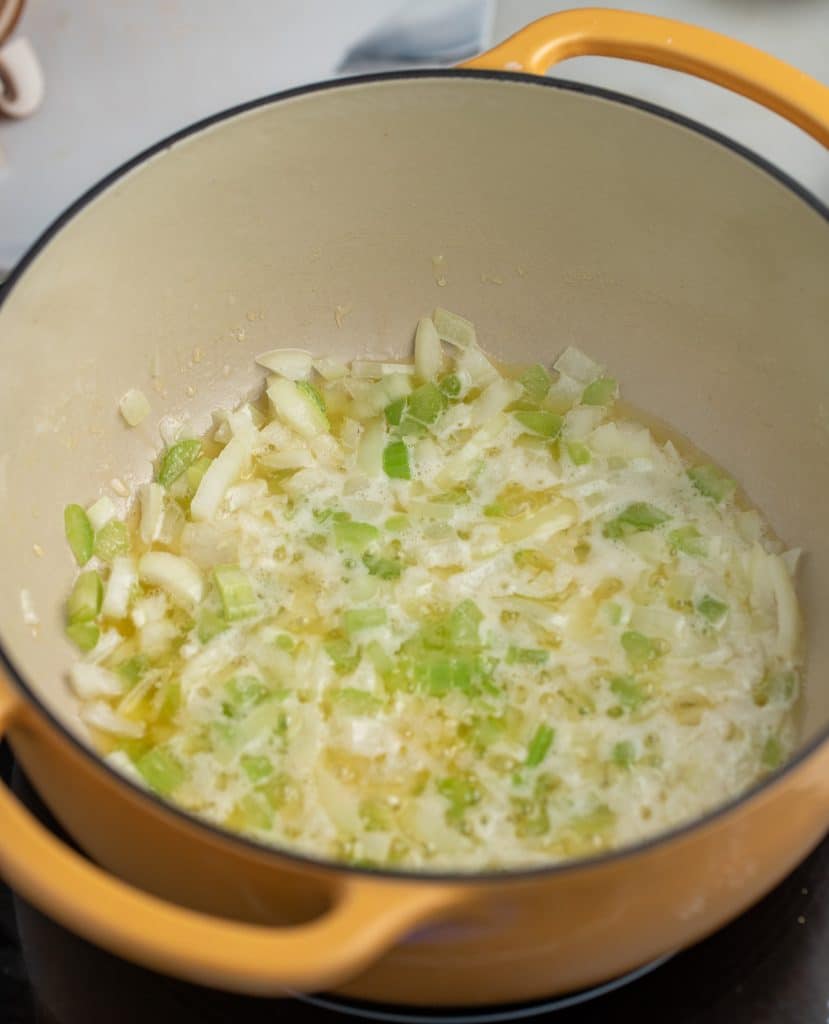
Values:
[(304, 860)]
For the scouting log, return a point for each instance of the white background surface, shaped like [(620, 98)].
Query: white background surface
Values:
[(121, 74)]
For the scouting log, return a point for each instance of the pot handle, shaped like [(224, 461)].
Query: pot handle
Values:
[(599, 32), (365, 918)]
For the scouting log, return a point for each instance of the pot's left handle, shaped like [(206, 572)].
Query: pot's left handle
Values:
[(601, 32), (365, 918)]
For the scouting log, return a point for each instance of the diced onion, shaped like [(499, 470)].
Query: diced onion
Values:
[(293, 363)]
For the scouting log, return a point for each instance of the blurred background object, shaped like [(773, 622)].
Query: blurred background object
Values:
[(21, 80), (123, 74)]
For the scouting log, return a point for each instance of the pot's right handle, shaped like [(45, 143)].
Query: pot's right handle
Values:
[(600, 32), (365, 918)]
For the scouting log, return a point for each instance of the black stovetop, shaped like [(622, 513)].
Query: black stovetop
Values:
[(771, 966)]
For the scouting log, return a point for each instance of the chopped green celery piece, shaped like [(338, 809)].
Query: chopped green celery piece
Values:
[(410, 427), (712, 609), (526, 656), (84, 635), (285, 642), (600, 819), (355, 536), (311, 392), (79, 533), (133, 668), (385, 568), (780, 687), (345, 659), (579, 453), (322, 515), (195, 473), (495, 510), (637, 517), (86, 597), (463, 624), (483, 732), (256, 767), (772, 756), (175, 461), (711, 483), (112, 540), (630, 693), (640, 648), (255, 811), (539, 746), (243, 693), (450, 385), (396, 524), (382, 662), (624, 753), (461, 794), (375, 815), (356, 702), (363, 618), (599, 392), (688, 540), (426, 403), (161, 770), (236, 592), (394, 412), (536, 383), (547, 424), (396, 461), (170, 703), (210, 624)]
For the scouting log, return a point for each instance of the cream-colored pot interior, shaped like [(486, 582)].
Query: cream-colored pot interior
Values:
[(329, 220)]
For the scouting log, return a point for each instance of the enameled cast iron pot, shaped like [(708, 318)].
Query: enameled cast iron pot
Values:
[(692, 268)]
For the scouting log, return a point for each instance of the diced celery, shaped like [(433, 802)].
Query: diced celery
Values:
[(356, 702), (595, 822), (526, 656), (600, 392), (630, 693), (161, 770), (451, 385), (363, 618), (637, 517), (711, 483), (539, 746), (546, 424), (345, 659), (712, 609), (210, 624), (195, 473), (238, 598), (79, 533), (689, 541), (385, 568), (175, 461), (112, 540), (396, 461), (463, 624), (243, 694), (256, 767), (536, 383), (772, 756), (453, 328), (132, 669), (382, 662), (396, 524), (84, 635), (394, 412), (579, 453), (355, 537), (461, 794), (285, 642), (86, 598), (624, 754), (255, 812), (639, 648), (426, 403)]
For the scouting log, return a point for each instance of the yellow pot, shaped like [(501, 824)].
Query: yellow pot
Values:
[(332, 217)]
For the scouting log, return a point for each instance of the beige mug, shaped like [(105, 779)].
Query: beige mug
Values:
[(21, 78)]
